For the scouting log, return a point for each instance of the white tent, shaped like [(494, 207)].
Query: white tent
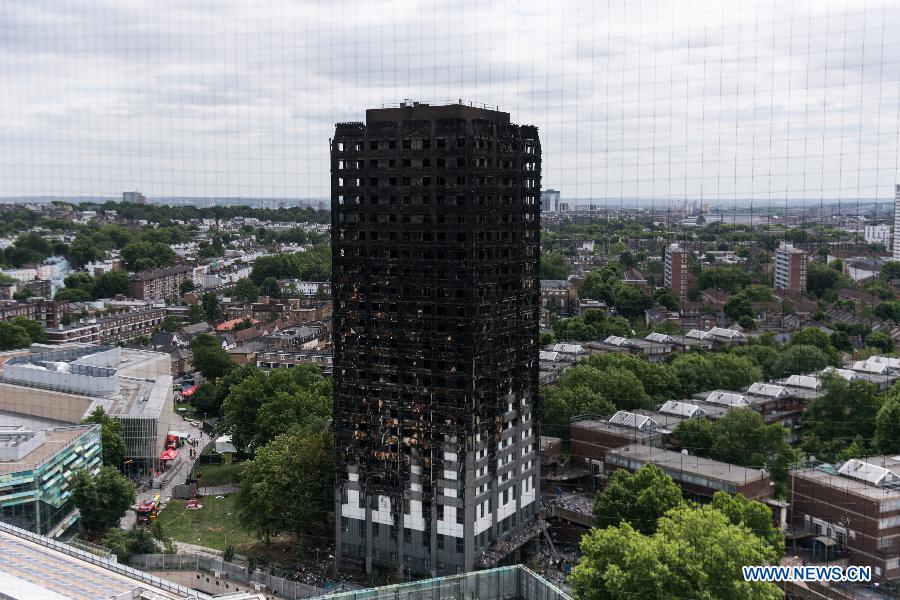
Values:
[(224, 445)]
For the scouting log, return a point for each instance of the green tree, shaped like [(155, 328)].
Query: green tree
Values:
[(821, 278), (13, 336), (23, 295), (73, 295), (84, 250), (800, 359), (629, 300), (694, 553), (245, 291), (559, 403), (731, 372), (209, 358), (211, 308), (842, 411), (263, 406), (638, 499), (270, 288), (888, 310), (665, 297), (158, 252), (742, 438), (754, 515), (209, 397), (80, 280), (887, 424), (195, 313), (738, 306), (658, 379), (112, 436), (296, 465), (841, 341), (553, 265), (186, 286), (623, 389), (696, 435), (35, 330), (137, 540), (102, 499), (730, 279), (880, 341), (110, 284), (145, 264), (170, 324)]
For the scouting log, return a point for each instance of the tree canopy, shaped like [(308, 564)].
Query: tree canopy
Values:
[(112, 437), (13, 336), (694, 553), (844, 410), (208, 357), (102, 499), (639, 499), (311, 265), (265, 405), (742, 438), (288, 485), (553, 265)]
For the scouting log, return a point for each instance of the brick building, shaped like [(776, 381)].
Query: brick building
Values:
[(114, 328), (159, 284), (851, 512)]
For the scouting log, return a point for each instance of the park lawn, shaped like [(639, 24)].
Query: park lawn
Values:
[(214, 475), (213, 526)]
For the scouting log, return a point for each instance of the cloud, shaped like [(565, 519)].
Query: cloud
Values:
[(650, 98)]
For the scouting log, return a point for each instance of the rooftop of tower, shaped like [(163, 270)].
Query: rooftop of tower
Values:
[(412, 110)]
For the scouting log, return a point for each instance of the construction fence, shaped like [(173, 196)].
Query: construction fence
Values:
[(235, 573)]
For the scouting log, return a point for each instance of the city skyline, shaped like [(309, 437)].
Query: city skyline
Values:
[(649, 100)]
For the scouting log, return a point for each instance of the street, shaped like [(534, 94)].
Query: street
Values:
[(165, 491)]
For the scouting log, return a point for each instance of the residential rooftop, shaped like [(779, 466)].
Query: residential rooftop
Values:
[(676, 464), (866, 480)]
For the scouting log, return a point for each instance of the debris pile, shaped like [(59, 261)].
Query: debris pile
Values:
[(503, 548)]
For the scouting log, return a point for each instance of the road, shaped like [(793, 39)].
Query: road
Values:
[(165, 492)]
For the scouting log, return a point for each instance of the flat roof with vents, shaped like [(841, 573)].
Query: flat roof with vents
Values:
[(847, 374), (632, 421), (866, 366), (876, 478), (726, 333), (810, 382), (681, 409), (660, 338), (892, 362), (868, 473), (768, 390), (724, 398), (568, 348)]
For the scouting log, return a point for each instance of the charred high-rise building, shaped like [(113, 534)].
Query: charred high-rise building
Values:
[(435, 241)]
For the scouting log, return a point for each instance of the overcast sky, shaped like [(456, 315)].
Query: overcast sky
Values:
[(713, 100)]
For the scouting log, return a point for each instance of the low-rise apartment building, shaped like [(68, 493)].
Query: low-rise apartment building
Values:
[(159, 284), (851, 511), (114, 328)]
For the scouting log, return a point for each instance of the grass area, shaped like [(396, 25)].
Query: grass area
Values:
[(213, 475), (214, 526)]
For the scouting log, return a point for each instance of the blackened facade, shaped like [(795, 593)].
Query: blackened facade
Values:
[(435, 237)]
